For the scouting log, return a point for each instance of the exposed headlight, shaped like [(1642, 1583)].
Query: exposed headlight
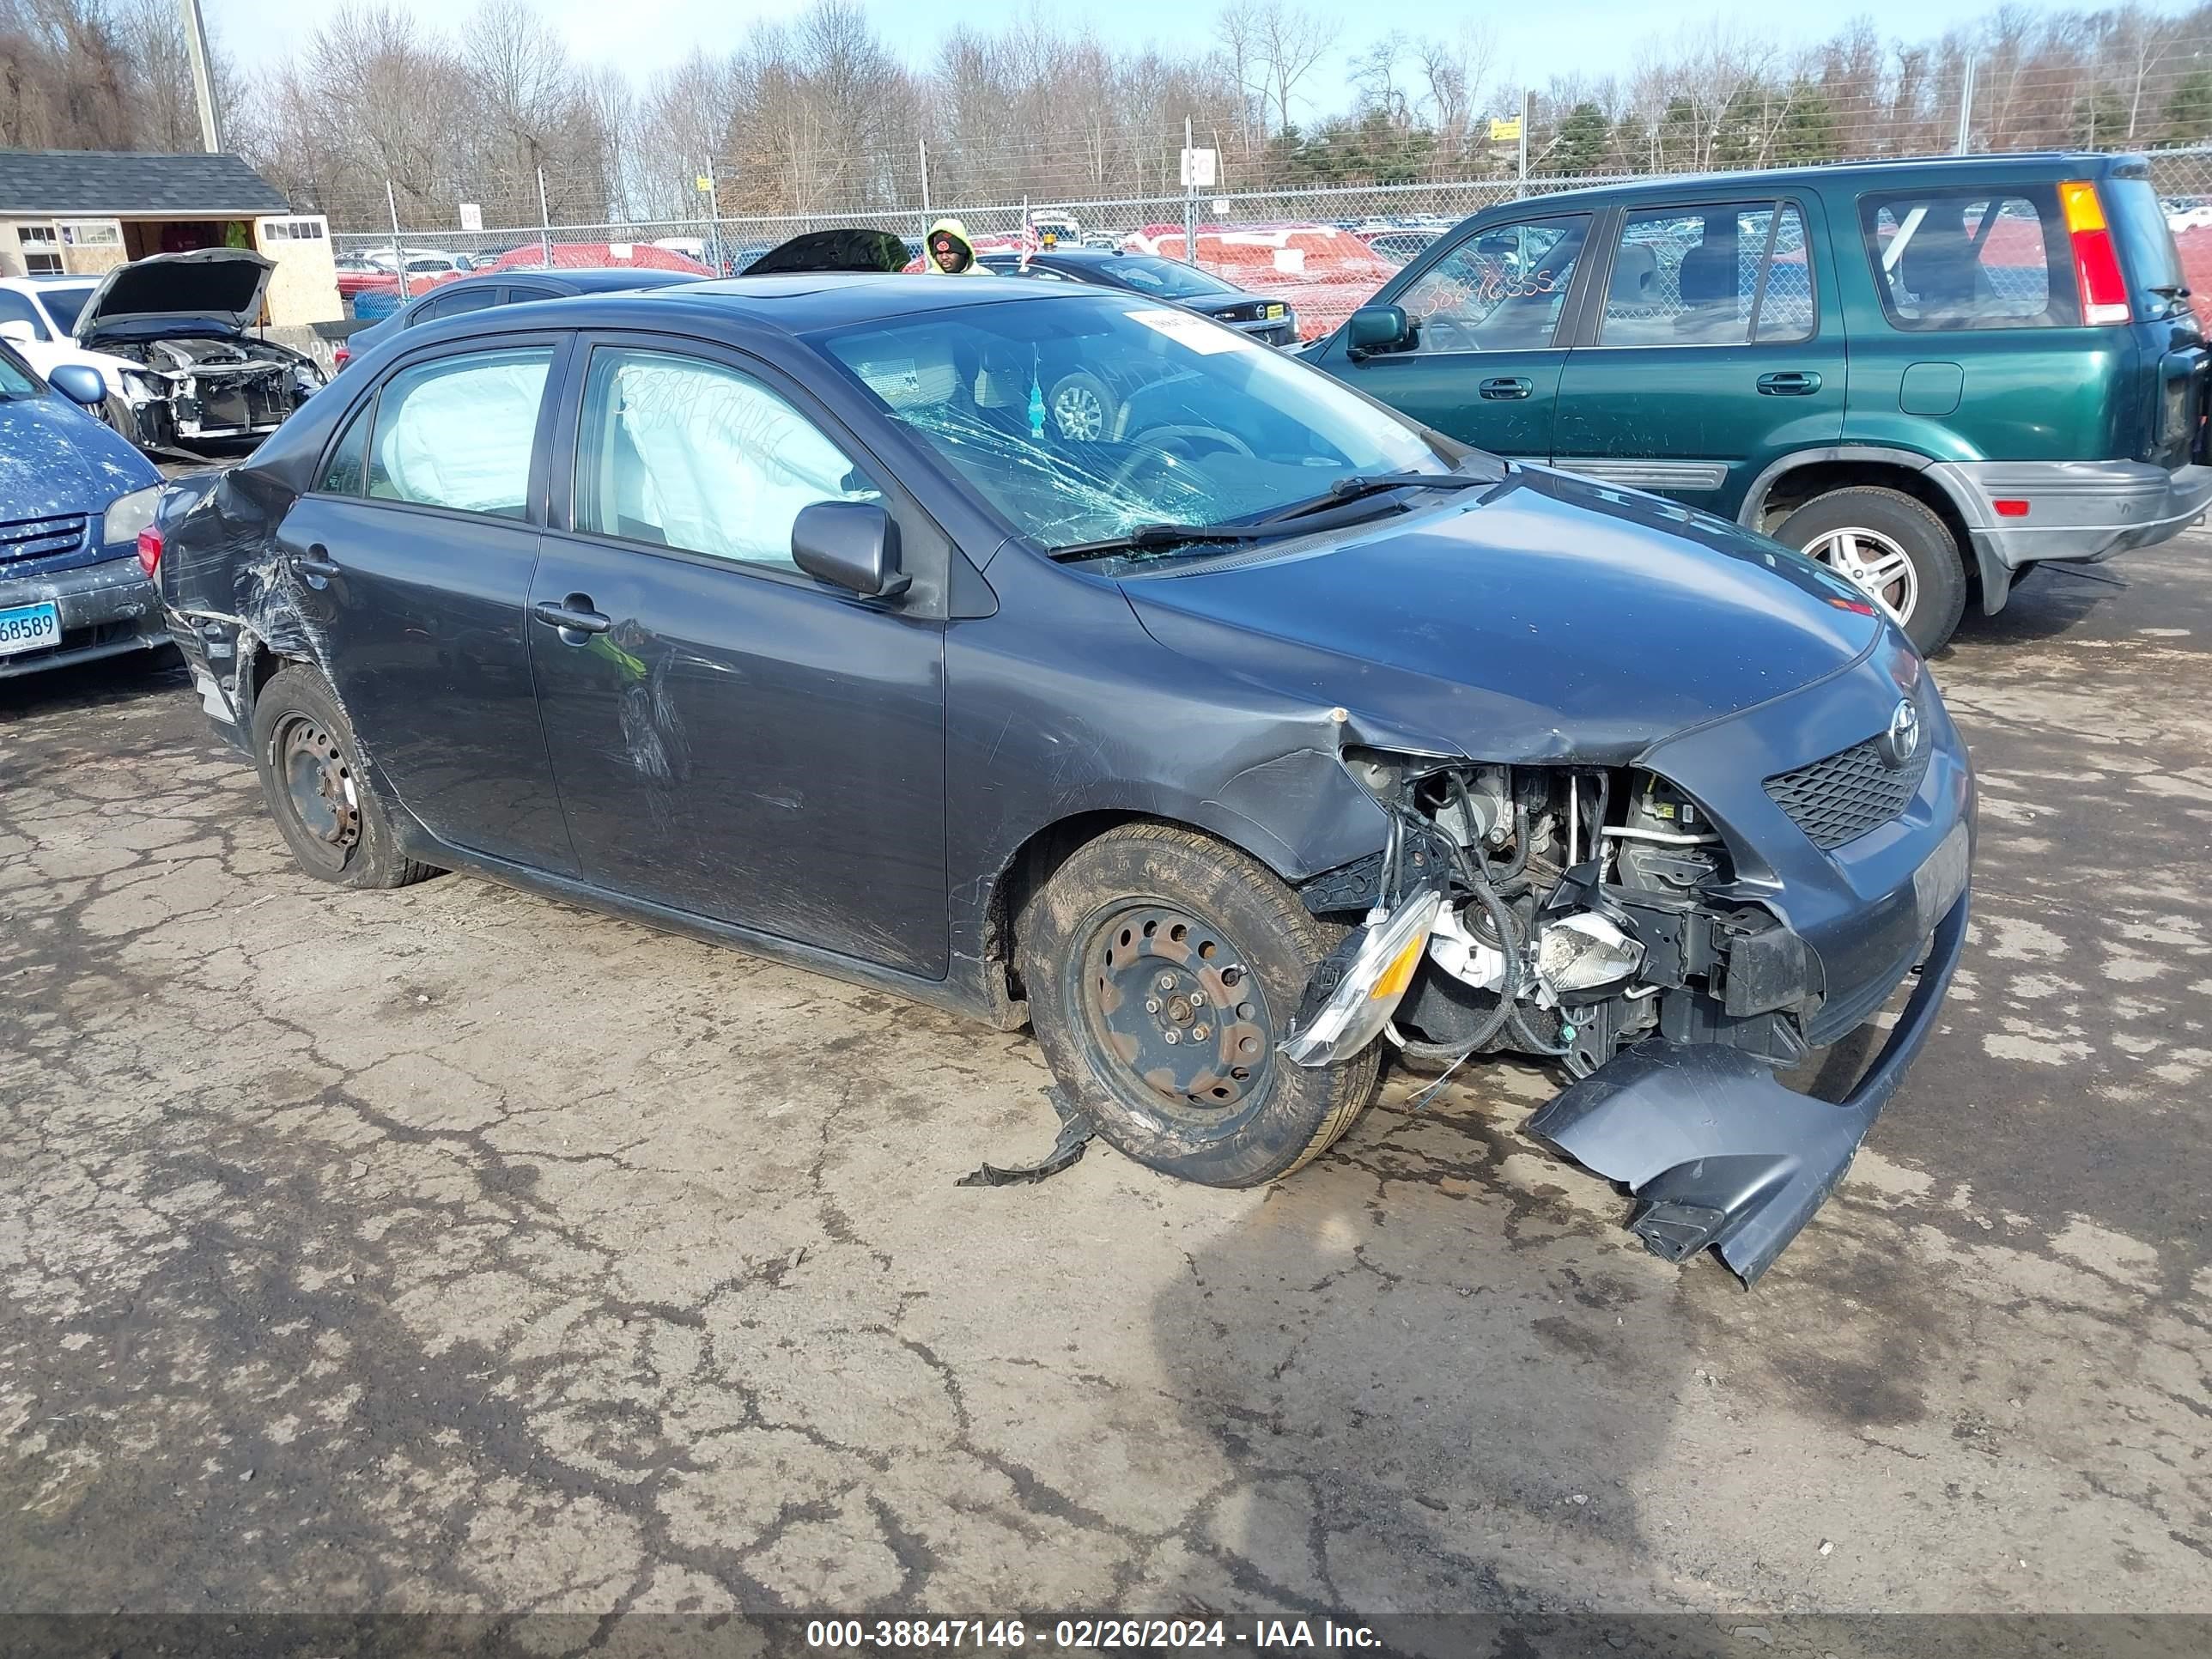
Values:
[(129, 515), (1352, 1012)]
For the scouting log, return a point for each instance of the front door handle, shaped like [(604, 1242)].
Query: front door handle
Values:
[(574, 615), (1503, 388), (1790, 383), (315, 565)]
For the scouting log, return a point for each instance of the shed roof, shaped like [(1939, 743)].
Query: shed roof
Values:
[(131, 183)]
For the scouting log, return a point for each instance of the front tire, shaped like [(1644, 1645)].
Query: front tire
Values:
[(1163, 967), (1083, 410), (1893, 549), (312, 776)]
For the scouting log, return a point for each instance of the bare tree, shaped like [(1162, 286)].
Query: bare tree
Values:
[(1290, 41)]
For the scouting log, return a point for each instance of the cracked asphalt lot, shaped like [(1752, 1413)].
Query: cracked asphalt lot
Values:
[(450, 1248)]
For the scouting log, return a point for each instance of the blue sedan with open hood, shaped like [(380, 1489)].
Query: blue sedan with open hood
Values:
[(1223, 749), (73, 498)]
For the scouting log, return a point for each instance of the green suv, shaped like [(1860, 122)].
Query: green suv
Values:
[(1930, 375)]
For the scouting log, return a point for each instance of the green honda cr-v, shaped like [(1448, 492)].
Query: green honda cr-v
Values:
[(1929, 374)]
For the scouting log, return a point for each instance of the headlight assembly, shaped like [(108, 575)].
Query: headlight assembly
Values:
[(129, 515)]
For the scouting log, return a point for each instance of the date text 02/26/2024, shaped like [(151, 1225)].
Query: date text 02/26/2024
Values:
[(988, 1634)]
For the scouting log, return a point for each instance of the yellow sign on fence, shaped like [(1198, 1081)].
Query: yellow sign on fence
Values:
[(1505, 130)]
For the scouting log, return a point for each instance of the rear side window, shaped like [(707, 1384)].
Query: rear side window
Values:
[(1709, 275), (346, 472), (1499, 290), (1970, 258), (453, 303), (458, 432)]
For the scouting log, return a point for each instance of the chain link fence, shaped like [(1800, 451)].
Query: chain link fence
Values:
[(1322, 252)]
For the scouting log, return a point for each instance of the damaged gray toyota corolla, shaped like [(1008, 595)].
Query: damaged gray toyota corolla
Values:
[(1247, 732)]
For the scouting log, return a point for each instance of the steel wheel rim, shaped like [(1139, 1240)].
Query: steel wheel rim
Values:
[(1077, 411), (1875, 564), (1175, 1019), (318, 791)]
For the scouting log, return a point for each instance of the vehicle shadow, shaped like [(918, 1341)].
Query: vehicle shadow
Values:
[(1440, 1387), (88, 684), (2046, 603)]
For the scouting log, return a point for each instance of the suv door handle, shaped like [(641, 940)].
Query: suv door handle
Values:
[(1503, 388), (1790, 383), (574, 615)]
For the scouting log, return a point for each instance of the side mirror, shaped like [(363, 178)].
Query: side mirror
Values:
[(79, 384), (21, 330), (849, 545), (1376, 328)]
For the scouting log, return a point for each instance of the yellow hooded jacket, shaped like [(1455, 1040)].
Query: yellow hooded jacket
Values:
[(958, 232)]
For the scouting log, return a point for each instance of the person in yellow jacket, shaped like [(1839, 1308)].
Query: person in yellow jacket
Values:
[(948, 252)]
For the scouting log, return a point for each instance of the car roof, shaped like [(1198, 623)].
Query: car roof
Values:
[(2031, 165), (782, 305)]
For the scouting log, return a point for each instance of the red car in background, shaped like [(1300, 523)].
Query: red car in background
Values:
[(1325, 274), (595, 256)]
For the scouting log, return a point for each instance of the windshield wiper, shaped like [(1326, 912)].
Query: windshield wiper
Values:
[(1322, 511), (1361, 485), (1149, 536)]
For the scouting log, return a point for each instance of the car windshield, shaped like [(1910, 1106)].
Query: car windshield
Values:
[(62, 304), (1084, 416), (1165, 277)]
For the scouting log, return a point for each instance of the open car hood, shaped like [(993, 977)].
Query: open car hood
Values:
[(210, 284), (846, 249)]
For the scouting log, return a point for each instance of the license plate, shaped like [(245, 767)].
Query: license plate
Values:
[(1937, 883), (29, 628)]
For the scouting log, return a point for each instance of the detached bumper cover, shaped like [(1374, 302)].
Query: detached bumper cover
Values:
[(1716, 1151)]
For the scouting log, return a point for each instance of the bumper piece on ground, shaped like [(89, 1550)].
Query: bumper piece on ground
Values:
[(1716, 1151)]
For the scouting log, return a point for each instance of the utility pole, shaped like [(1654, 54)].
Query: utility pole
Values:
[(1966, 106), (544, 223), (714, 220), (196, 46), (1527, 98), (399, 254), (921, 148), (1189, 198)]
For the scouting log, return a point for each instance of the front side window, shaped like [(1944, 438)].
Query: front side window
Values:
[(680, 452), (518, 296), (458, 432), (1502, 289), (1083, 416), (1970, 258), (1709, 275)]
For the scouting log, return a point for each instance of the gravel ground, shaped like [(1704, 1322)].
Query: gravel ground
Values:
[(452, 1249)]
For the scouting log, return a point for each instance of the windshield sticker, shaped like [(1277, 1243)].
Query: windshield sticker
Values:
[(1187, 328)]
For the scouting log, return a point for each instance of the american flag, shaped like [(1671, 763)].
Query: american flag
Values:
[(1030, 244)]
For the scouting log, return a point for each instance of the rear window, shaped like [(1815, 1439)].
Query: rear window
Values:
[(2146, 250), (1970, 258)]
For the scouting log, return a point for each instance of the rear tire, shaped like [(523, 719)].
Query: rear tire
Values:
[(317, 789), (1894, 549), (1150, 914)]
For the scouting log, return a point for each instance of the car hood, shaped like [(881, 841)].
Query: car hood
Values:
[(55, 459), (220, 285), (846, 249), (1550, 618)]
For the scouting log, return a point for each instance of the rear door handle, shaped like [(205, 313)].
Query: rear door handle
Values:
[(574, 615), (315, 565), (1790, 383), (1505, 388)]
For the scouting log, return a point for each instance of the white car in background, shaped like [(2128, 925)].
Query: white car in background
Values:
[(169, 337)]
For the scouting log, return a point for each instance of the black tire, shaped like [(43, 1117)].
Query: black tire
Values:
[(1939, 564), (1081, 408), (313, 779), (1075, 939)]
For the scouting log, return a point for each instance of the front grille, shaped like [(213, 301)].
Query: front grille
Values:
[(1840, 799), (40, 538)]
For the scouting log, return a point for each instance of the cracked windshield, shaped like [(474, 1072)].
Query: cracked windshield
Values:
[(1086, 421)]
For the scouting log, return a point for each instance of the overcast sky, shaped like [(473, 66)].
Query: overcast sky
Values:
[(1538, 40)]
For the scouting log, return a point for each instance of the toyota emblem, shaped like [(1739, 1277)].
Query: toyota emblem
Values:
[(1901, 743)]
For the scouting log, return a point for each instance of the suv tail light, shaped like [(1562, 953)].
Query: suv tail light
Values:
[(149, 550), (2096, 260)]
